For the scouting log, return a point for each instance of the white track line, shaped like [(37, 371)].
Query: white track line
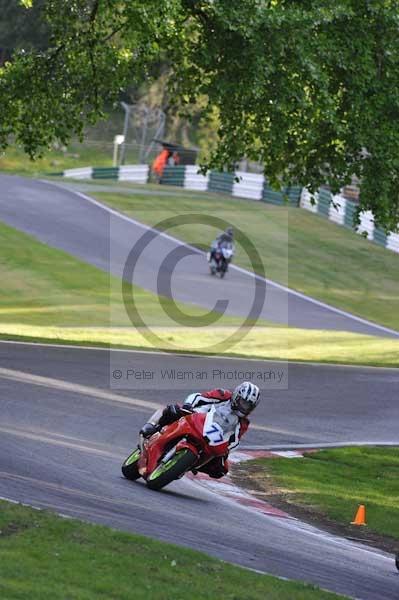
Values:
[(235, 267), (75, 388)]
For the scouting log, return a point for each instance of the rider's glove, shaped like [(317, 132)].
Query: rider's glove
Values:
[(149, 429), (170, 414)]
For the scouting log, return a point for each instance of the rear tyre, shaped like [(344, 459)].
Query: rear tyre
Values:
[(174, 468), (129, 467)]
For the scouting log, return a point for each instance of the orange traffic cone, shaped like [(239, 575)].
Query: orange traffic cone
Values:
[(360, 518)]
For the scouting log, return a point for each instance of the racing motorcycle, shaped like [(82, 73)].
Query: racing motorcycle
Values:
[(220, 257), (185, 445)]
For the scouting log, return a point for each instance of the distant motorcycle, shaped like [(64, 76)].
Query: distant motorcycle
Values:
[(220, 257), (182, 446)]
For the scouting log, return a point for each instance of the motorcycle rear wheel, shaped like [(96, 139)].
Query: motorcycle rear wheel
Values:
[(129, 467), (174, 468)]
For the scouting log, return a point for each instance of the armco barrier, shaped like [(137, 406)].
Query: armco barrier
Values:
[(393, 242), (342, 211), (133, 173), (83, 173), (174, 176), (323, 204), (105, 173), (221, 183), (289, 195), (249, 185), (253, 186), (194, 180)]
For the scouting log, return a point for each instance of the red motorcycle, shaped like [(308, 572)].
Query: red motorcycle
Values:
[(182, 446)]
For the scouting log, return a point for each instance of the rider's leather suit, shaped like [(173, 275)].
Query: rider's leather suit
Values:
[(203, 402)]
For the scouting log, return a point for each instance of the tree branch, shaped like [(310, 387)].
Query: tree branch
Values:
[(114, 32), (94, 11)]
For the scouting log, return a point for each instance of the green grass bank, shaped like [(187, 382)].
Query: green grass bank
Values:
[(46, 557), (46, 287), (331, 484), (15, 161), (48, 295)]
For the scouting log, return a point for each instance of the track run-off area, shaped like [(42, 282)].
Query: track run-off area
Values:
[(65, 430), (82, 226), (64, 434)]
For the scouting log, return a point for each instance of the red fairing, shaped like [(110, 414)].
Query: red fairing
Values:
[(187, 432), (218, 394)]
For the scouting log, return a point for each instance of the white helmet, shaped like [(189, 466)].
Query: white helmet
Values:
[(245, 398)]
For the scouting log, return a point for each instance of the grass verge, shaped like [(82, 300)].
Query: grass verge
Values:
[(15, 161), (327, 486), (299, 249), (45, 287), (46, 557), (263, 343), (49, 295)]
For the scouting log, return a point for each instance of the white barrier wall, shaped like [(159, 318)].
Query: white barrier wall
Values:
[(393, 242), (134, 173), (337, 212), (366, 224), (194, 180), (82, 173), (250, 185), (305, 201)]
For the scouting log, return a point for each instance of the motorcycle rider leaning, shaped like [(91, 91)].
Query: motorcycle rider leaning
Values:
[(233, 408)]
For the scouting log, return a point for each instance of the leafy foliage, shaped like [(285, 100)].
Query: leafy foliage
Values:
[(20, 28), (309, 88)]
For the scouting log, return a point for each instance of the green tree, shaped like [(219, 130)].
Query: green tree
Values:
[(20, 28), (309, 87)]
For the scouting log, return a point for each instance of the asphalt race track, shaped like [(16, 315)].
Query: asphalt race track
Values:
[(104, 238), (65, 432), (70, 416)]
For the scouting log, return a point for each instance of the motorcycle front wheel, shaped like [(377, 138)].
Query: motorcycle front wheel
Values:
[(174, 468), (129, 467)]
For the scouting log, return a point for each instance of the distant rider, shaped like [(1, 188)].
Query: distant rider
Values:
[(233, 409), (226, 237)]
